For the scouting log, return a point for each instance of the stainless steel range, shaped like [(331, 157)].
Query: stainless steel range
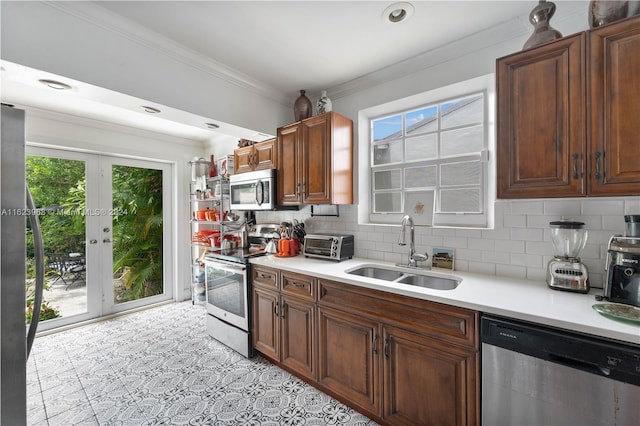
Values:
[(228, 290)]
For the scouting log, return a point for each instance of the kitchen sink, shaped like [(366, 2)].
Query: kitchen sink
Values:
[(427, 281), (378, 273), (406, 277)]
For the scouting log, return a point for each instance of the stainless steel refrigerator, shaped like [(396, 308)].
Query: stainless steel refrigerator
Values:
[(15, 206)]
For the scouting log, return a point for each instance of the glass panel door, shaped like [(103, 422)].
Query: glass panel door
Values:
[(107, 234), (58, 182), (135, 229)]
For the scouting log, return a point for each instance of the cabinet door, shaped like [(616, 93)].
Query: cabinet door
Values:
[(614, 166), (289, 157), (298, 332), (427, 382), (242, 159), (316, 164), (266, 323), (264, 155), (348, 357), (541, 142)]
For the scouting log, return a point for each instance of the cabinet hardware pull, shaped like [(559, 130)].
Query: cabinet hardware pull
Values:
[(298, 189), (275, 309), (598, 165), (298, 284), (575, 166), (386, 347), (374, 344), (284, 307)]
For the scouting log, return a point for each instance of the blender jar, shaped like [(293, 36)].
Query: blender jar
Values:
[(568, 238)]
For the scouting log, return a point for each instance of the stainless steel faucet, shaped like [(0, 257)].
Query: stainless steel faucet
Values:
[(414, 257)]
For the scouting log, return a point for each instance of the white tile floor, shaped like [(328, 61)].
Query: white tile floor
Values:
[(159, 367)]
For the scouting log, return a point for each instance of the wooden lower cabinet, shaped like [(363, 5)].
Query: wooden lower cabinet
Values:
[(284, 325), (298, 335), (348, 357), (396, 359), (266, 322), (426, 381)]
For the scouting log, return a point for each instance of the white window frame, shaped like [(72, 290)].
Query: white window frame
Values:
[(484, 84)]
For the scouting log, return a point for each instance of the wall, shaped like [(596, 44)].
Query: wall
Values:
[(520, 244)]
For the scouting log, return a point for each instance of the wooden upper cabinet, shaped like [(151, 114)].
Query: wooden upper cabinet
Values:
[(541, 140), (289, 174), (614, 76), (259, 156), (315, 162), (568, 116)]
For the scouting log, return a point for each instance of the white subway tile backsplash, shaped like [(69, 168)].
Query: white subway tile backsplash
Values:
[(526, 207), (511, 271), (511, 221), (455, 242), (510, 246), (526, 234), (481, 244), (519, 245), (538, 247), (539, 222), (632, 205), (562, 207), (603, 207), (482, 268), (530, 260)]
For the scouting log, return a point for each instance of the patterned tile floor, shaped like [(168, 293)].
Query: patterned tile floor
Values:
[(159, 367)]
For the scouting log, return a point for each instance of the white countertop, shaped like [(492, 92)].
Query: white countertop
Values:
[(511, 297)]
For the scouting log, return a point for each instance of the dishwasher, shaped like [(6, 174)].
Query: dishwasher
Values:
[(538, 375)]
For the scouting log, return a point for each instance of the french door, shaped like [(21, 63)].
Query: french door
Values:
[(106, 223)]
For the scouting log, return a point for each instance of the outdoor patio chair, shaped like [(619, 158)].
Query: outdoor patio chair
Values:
[(77, 268), (57, 265)]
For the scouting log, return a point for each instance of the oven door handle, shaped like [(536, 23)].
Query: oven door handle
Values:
[(225, 266)]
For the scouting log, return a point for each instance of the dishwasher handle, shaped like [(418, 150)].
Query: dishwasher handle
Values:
[(579, 364)]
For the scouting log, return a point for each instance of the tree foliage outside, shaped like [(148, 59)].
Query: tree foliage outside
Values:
[(137, 231), (58, 187)]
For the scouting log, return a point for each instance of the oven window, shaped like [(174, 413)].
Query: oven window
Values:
[(320, 245), (226, 291)]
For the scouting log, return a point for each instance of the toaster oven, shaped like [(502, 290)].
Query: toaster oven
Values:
[(329, 246)]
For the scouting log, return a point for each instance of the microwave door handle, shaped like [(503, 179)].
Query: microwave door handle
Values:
[(259, 193)]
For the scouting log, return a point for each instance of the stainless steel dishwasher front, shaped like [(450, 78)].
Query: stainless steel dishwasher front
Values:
[(535, 375)]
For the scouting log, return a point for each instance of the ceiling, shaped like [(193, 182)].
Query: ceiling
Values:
[(285, 46)]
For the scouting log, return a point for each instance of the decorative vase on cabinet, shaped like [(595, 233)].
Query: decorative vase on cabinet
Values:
[(542, 31), (323, 105), (302, 107)]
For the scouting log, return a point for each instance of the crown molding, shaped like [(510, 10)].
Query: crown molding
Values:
[(514, 28), (107, 20)]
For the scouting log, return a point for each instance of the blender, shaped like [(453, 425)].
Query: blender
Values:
[(565, 271)]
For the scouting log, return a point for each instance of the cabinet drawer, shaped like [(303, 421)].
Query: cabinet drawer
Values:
[(299, 285), (265, 277), (447, 323)]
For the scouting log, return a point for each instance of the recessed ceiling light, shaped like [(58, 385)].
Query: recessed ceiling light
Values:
[(150, 110), (397, 12), (212, 125), (58, 85)]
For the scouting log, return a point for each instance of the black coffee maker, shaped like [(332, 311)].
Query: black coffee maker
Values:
[(623, 265)]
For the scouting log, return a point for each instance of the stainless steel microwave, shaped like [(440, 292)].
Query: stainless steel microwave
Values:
[(329, 246), (253, 190)]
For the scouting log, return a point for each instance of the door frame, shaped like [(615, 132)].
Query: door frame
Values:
[(96, 298)]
